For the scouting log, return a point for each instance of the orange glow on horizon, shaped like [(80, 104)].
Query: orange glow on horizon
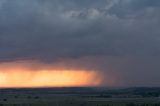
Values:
[(21, 77)]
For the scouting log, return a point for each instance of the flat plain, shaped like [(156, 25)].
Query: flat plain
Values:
[(80, 97)]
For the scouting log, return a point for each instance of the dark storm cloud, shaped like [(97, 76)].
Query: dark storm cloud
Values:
[(53, 29), (58, 28)]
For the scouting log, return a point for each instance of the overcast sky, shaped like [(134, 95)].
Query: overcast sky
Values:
[(120, 38)]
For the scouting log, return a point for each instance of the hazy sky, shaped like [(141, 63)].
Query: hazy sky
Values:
[(119, 38)]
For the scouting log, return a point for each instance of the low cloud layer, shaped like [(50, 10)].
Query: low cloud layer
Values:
[(122, 35)]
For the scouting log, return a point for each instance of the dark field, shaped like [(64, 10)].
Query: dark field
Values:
[(80, 97)]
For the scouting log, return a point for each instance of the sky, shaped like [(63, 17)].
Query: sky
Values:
[(119, 39)]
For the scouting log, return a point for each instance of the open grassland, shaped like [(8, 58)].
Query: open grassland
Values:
[(74, 100), (71, 98)]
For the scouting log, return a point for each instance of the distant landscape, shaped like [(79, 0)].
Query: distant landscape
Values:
[(80, 96), (79, 52)]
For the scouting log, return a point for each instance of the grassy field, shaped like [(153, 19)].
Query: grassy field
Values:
[(52, 98), (72, 100)]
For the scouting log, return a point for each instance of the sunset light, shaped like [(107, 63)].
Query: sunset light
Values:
[(16, 78)]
